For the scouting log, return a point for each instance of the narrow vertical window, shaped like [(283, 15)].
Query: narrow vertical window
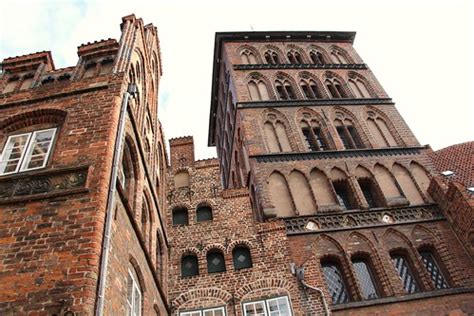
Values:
[(368, 189), (366, 279), (335, 283), (134, 296), (405, 273), (342, 135), (342, 193), (434, 270)]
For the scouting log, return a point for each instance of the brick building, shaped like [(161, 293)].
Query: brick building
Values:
[(319, 201)]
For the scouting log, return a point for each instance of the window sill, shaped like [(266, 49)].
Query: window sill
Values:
[(399, 299)]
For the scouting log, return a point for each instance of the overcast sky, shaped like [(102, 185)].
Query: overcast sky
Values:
[(420, 51)]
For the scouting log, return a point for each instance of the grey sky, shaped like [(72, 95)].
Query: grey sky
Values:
[(420, 51)]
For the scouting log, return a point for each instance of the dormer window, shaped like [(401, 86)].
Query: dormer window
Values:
[(27, 151)]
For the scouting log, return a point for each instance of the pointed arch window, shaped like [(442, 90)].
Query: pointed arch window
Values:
[(310, 89), (338, 57), (379, 130), (314, 138), (285, 89), (405, 273), (189, 266), (258, 90), (335, 88), (134, 295), (272, 58), (275, 135), (366, 279), (359, 88), (335, 282), (317, 57), (294, 57), (248, 57), (348, 134), (433, 268)]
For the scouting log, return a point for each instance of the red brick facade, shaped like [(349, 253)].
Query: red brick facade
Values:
[(318, 183)]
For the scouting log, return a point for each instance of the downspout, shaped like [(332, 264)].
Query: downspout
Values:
[(104, 260), (299, 273)]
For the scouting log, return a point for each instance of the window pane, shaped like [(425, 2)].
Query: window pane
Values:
[(38, 149), (405, 273), (137, 302), (366, 281), (12, 153), (433, 269), (278, 307), (180, 216), (215, 262), (204, 213), (335, 283), (255, 309), (189, 266), (242, 258), (214, 312)]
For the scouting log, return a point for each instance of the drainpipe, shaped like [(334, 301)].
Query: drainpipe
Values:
[(299, 273), (104, 260)]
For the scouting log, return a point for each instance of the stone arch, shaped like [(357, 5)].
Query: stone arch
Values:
[(322, 190), (352, 75), (421, 176), (341, 52), (300, 51), (251, 49), (325, 246), (388, 129), (337, 174), (408, 186), (190, 251), (327, 59), (389, 186), (276, 131), (262, 284), (280, 194), (331, 76), (41, 116), (344, 118), (138, 272), (274, 48), (395, 239), (282, 76), (212, 247), (239, 242), (257, 77), (424, 235), (301, 193), (306, 75), (202, 293)]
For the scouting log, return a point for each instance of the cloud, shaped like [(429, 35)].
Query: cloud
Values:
[(420, 53)]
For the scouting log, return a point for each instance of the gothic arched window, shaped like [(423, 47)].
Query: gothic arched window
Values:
[(275, 134), (434, 269), (310, 89), (335, 282), (335, 88), (366, 278), (271, 57), (359, 88), (258, 90), (317, 57), (294, 57), (339, 57), (285, 89), (405, 272), (348, 134), (248, 57)]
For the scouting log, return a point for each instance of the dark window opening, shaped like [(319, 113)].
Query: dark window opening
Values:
[(332, 91), (368, 189), (342, 135), (215, 262), (189, 266), (242, 258), (340, 91), (434, 270), (335, 283), (306, 91), (180, 216), (342, 193), (309, 140), (290, 92), (355, 136), (405, 273), (316, 91), (366, 279), (281, 92), (319, 138), (203, 213)]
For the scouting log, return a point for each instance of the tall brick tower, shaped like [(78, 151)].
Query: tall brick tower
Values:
[(300, 120), (83, 180)]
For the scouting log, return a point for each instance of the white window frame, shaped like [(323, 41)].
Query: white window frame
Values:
[(202, 311), (27, 149), (135, 290), (267, 306)]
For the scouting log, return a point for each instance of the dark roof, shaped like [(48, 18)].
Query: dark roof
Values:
[(222, 37), (457, 158)]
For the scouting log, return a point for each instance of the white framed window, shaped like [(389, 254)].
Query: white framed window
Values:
[(215, 311), (27, 151), (277, 306), (134, 296)]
